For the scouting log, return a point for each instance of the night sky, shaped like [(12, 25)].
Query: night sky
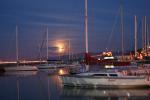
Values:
[(65, 21)]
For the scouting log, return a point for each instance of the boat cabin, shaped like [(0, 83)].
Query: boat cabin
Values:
[(100, 74), (106, 74)]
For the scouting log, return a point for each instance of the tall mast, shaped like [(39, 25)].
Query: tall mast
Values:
[(17, 58), (86, 30), (147, 36), (86, 26), (69, 49), (47, 43), (135, 34), (122, 29), (145, 33), (142, 32)]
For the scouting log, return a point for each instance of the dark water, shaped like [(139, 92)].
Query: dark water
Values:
[(44, 86)]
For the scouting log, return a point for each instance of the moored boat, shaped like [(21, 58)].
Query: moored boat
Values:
[(20, 73), (21, 68), (104, 80), (47, 66), (18, 66)]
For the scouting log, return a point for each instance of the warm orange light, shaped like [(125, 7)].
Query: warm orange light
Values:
[(107, 53), (61, 72)]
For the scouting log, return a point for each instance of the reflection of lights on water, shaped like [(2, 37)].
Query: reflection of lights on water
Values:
[(128, 94), (104, 92), (61, 72)]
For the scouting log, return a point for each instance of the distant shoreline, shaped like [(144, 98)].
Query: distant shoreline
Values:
[(28, 63)]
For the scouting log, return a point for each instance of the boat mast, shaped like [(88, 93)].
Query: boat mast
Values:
[(135, 34), (17, 58), (145, 34), (69, 52), (86, 31), (86, 26), (47, 43), (122, 30)]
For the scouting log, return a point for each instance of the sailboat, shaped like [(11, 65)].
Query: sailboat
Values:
[(53, 66), (110, 60), (107, 79), (19, 67), (47, 65)]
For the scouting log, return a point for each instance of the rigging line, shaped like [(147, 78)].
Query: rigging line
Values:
[(42, 44), (112, 31)]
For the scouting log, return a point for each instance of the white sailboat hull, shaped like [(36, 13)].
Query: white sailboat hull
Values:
[(47, 66), (20, 73), (21, 68), (116, 82)]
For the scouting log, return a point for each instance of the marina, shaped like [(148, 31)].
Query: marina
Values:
[(41, 85), (75, 50)]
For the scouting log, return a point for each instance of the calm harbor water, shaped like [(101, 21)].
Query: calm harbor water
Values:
[(45, 86)]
